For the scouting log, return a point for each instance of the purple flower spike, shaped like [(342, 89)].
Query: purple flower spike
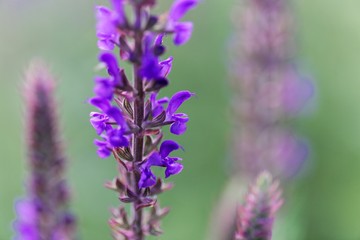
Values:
[(269, 90), (130, 118), (40, 213)]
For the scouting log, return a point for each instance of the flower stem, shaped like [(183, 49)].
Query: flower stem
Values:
[(138, 144)]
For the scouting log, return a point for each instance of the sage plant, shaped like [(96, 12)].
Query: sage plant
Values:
[(130, 114), (255, 217), (43, 214)]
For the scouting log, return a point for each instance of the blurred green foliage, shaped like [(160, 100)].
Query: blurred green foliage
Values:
[(324, 200)]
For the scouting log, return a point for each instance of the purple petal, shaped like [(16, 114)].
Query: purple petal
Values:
[(117, 138), (100, 143), (147, 178), (177, 100), (157, 105), (155, 159), (26, 231), (98, 121), (166, 66), (150, 66), (103, 15), (103, 151), (173, 169), (105, 29), (103, 88), (159, 48), (103, 12), (167, 147), (157, 110), (296, 92), (178, 128), (163, 100), (117, 115), (183, 32), (25, 210), (150, 63), (119, 14), (159, 39), (152, 98), (100, 103), (112, 66), (180, 8), (105, 44), (294, 151)]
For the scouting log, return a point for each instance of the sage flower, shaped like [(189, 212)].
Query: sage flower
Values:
[(129, 117)]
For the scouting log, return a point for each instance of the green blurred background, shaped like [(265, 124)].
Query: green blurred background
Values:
[(323, 202)]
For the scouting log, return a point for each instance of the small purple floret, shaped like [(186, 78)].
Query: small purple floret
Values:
[(104, 88), (182, 30), (99, 122), (161, 159), (112, 66), (105, 29), (180, 119)]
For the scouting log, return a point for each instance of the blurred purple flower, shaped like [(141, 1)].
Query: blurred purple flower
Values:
[(25, 225), (41, 214), (269, 90)]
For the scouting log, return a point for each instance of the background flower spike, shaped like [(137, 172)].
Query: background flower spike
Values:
[(43, 213)]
